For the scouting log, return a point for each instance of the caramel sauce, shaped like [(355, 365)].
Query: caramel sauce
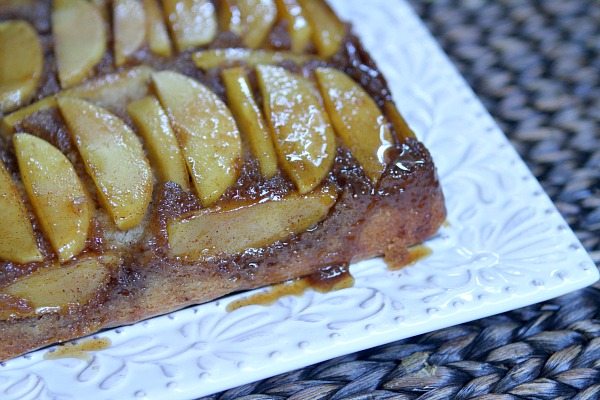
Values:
[(412, 255), (79, 350), (326, 280)]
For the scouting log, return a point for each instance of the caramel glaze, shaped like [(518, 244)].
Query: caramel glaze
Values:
[(327, 279), (404, 209), (410, 256), (80, 350)]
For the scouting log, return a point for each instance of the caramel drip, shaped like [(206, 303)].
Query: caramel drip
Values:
[(80, 350), (410, 257), (326, 280)]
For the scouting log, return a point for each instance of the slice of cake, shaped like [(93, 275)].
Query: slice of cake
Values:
[(155, 155)]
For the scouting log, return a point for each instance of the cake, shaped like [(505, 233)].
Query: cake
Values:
[(155, 155)]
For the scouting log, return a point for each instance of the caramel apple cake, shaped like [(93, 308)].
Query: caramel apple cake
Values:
[(158, 154)]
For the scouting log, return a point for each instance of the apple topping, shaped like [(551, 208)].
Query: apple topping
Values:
[(156, 31), (207, 59), (113, 90), (58, 197), (153, 124), (21, 63), (193, 22), (206, 131), (250, 119), (17, 240), (328, 31), (113, 157), (129, 24), (303, 136), (79, 39), (7, 126), (57, 287), (298, 26), (357, 120), (251, 20), (230, 231), (397, 120)]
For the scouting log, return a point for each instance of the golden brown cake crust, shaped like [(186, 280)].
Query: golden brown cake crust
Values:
[(404, 208)]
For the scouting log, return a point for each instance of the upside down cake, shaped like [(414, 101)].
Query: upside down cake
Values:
[(157, 154)]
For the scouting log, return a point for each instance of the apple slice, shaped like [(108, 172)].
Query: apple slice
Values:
[(206, 130), (357, 120), (57, 287), (129, 25), (111, 91), (251, 20), (207, 59), (7, 126), (258, 18), (229, 17), (208, 233), (58, 197), (113, 157), (397, 120), (156, 31), (298, 26), (114, 91), (17, 240), (153, 124), (193, 22), (79, 39), (303, 136), (250, 119), (328, 31), (21, 63)]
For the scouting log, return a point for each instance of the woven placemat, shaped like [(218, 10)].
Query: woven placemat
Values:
[(536, 66)]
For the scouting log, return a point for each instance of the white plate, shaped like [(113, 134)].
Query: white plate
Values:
[(506, 247)]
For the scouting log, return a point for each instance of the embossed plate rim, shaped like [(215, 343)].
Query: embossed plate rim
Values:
[(506, 247)]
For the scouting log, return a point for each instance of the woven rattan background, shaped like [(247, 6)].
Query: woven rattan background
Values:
[(536, 66)]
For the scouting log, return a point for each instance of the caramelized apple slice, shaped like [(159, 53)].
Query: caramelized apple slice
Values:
[(229, 17), (397, 120), (153, 124), (129, 24), (79, 39), (231, 231), (114, 91), (113, 157), (110, 91), (251, 20), (303, 136), (57, 195), (17, 241), (357, 120), (56, 287), (193, 22), (7, 127), (21, 63), (250, 119), (298, 27), (328, 31), (208, 59), (156, 31), (206, 131)]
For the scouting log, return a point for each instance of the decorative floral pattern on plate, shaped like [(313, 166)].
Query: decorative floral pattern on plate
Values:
[(505, 247)]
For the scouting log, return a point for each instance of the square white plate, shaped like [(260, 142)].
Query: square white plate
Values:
[(506, 246)]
